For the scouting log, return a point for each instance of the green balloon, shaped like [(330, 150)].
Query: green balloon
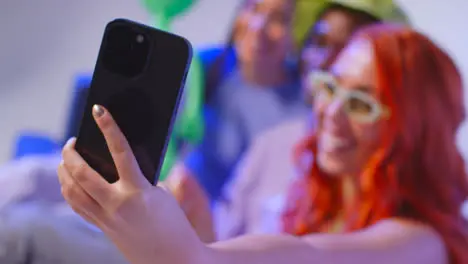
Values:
[(168, 8), (169, 159)]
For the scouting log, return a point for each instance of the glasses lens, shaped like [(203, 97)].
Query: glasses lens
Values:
[(362, 107)]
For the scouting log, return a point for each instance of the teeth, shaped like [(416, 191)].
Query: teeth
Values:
[(330, 142)]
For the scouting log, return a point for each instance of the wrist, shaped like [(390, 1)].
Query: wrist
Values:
[(208, 255), (202, 254), (194, 252)]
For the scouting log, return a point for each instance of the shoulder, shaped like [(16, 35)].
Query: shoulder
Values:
[(209, 54)]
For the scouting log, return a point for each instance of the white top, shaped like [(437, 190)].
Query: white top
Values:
[(253, 200)]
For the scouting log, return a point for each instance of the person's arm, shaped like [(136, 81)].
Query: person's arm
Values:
[(388, 242)]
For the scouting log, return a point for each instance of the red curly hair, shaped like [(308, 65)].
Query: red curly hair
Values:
[(417, 172)]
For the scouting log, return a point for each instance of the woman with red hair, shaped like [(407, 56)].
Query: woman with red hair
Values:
[(385, 144), (386, 184)]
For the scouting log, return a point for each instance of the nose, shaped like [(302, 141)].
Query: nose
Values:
[(334, 113)]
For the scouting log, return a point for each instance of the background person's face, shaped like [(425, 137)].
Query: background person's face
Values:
[(345, 144), (329, 35), (263, 32)]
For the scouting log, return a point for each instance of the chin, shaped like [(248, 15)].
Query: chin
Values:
[(333, 166)]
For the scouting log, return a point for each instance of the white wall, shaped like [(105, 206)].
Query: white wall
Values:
[(44, 43)]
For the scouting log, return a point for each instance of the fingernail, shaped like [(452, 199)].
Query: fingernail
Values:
[(98, 110), (70, 141)]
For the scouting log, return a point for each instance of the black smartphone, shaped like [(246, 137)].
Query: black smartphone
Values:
[(139, 78)]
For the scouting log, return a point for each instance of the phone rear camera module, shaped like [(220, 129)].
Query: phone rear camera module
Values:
[(126, 52)]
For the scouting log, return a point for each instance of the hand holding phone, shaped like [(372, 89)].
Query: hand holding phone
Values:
[(139, 77)]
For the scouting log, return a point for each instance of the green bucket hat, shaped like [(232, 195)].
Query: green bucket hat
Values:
[(308, 10)]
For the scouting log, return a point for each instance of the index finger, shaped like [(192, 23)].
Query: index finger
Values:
[(122, 154)]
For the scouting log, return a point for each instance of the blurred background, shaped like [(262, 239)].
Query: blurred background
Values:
[(44, 44), (232, 152)]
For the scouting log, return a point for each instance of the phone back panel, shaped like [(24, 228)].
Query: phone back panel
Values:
[(142, 96)]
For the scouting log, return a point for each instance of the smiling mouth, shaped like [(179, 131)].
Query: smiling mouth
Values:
[(331, 143)]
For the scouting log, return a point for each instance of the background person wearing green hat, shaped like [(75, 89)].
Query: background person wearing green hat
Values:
[(251, 86), (253, 200)]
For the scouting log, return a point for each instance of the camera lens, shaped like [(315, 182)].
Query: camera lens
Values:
[(126, 51), (140, 38)]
